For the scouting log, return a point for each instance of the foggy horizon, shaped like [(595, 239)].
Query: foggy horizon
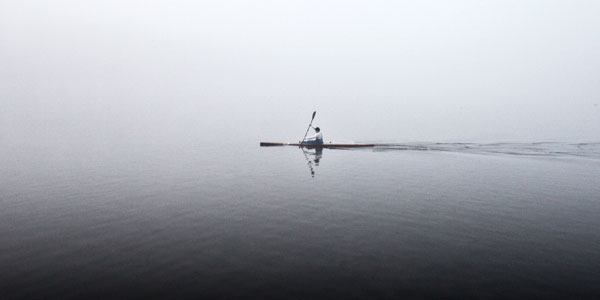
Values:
[(150, 149), (464, 71)]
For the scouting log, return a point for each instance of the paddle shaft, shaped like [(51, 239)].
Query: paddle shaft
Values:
[(310, 124)]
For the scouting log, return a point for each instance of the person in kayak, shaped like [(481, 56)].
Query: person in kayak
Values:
[(316, 139)]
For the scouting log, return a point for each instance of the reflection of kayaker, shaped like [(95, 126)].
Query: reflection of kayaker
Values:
[(318, 155), (316, 139), (313, 158)]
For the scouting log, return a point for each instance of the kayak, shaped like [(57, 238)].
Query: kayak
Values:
[(324, 145)]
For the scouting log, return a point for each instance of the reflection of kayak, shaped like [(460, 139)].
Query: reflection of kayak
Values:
[(324, 145)]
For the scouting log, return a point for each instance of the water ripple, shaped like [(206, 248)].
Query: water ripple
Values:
[(544, 149)]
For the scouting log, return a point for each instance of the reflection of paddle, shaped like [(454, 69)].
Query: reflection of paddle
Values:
[(309, 163), (313, 117)]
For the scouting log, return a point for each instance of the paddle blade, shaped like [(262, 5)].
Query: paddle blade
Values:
[(314, 113)]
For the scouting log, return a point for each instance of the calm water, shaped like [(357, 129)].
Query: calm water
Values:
[(413, 220)]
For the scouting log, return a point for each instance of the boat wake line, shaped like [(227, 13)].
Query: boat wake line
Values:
[(544, 149)]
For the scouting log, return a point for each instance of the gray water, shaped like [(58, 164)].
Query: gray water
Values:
[(234, 220)]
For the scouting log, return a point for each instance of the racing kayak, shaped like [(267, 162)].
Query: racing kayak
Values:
[(324, 145)]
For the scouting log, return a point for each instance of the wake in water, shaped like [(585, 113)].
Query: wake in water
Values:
[(548, 149)]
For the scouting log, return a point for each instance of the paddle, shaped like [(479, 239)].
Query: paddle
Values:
[(313, 117)]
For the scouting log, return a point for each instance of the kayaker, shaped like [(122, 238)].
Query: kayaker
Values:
[(316, 139)]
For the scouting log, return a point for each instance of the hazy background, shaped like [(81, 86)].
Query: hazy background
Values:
[(130, 163), (123, 71)]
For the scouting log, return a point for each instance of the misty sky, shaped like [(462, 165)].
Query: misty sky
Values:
[(480, 71)]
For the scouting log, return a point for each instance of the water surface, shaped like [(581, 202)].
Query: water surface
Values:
[(413, 220)]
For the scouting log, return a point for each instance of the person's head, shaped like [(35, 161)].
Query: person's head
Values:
[(317, 129)]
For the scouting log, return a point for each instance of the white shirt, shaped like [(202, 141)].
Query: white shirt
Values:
[(318, 136)]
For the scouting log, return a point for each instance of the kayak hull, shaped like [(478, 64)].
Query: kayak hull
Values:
[(324, 145)]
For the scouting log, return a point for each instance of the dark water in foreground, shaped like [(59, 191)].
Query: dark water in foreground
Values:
[(398, 221)]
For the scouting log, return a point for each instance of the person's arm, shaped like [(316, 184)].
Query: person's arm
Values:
[(312, 137)]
